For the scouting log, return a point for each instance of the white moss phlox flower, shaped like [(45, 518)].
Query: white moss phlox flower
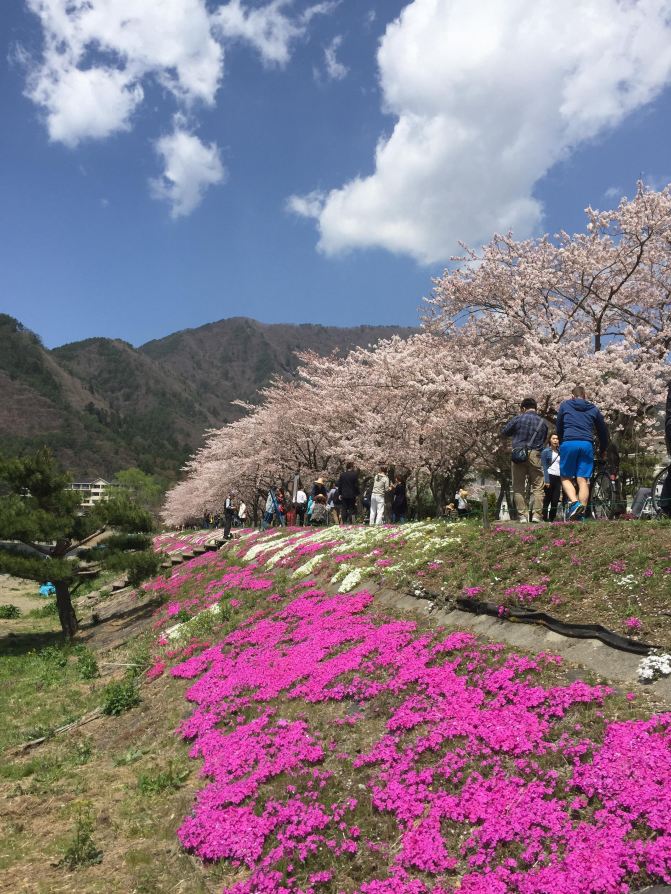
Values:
[(654, 666), (627, 580), (350, 580), (307, 567)]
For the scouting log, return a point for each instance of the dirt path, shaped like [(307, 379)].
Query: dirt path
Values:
[(21, 593)]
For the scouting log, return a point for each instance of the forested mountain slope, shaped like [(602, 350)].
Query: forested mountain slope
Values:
[(103, 405)]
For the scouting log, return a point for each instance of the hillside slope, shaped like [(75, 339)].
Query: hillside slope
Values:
[(233, 358)]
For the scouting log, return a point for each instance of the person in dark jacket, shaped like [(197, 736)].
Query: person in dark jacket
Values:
[(348, 487), (319, 488), (529, 433), (577, 421), (399, 502)]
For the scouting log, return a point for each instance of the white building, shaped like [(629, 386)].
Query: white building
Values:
[(93, 491)]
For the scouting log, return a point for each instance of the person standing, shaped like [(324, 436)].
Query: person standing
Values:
[(319, 488), (242, 513), (301, 505), (281, 506), (269, 510), (461, 499), (377, 496), (399, 502), (348, 486), (333, 504), (577, 421), (551, 478), (529, 433), (229, 514)]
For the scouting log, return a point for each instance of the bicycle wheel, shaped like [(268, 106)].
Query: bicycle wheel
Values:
[(661, 493), (602, 500)]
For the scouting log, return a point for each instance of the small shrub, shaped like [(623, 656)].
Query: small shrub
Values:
[(81, 849), (48, 610), (281, 581), (138, 566), (139, 655), (170, 778), (129, 757), (82, 752), (54, 656), (120, 696), (7, 612), (87, 664), (225, 610)]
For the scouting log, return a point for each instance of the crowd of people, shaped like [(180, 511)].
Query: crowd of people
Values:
[(340, 501), (555, 466)]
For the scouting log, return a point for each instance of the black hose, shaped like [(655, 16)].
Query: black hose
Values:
[(578, 631)]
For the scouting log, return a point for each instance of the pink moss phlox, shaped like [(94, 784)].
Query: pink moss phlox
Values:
[(526, 592), (472, 742)]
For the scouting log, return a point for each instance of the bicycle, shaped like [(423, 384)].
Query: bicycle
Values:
[(660, 497), (603, 497), (603, 493)]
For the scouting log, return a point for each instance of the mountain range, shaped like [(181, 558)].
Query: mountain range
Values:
[(102, 405)]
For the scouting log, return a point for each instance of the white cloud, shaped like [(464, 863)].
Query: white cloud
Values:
[(171, 41), (190, 167), (487, 97), (335, 70), (613, 192), (98, 54), (270, 29), (307, 206)]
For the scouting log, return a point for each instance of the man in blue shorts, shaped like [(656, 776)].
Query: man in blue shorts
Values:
[(577, 420)]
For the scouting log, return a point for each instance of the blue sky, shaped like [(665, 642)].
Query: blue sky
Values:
[(222, 162)]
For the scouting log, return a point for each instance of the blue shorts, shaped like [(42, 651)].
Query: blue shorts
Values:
[(576, 459)]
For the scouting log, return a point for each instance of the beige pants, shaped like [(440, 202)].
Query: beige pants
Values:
[(530, 472)]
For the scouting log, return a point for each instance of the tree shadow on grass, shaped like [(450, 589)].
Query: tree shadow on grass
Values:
[(119, 626), (13, 644)]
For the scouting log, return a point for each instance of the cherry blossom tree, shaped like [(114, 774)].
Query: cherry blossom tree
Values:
[(515, 319)]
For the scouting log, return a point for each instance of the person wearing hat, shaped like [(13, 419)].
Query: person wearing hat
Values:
[(319, 487), (461, 499)]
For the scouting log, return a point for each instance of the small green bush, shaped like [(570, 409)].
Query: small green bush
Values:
[(7, 612), (162, 780), (120, 696), (87, 664), (48, 610), (81, 850), (138, 566), (82, 752), (139, 655), (54, 656)]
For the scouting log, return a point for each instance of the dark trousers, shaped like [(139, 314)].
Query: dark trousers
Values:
[(551, 498), (228, 521), (300, 513), (348, 510)]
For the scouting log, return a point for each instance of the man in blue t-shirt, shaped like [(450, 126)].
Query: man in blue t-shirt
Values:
[(577, 421)]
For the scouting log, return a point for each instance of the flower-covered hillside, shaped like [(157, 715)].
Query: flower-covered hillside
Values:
[(614, 573), (348, 751)]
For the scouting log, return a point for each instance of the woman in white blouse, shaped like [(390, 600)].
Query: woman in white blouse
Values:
[(551, 478)]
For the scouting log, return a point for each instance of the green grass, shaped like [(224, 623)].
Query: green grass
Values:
[(41, 685)]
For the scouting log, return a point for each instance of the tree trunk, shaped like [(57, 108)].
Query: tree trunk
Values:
[(66, 612)]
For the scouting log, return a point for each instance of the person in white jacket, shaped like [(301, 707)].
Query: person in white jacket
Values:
[(381, 486)]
